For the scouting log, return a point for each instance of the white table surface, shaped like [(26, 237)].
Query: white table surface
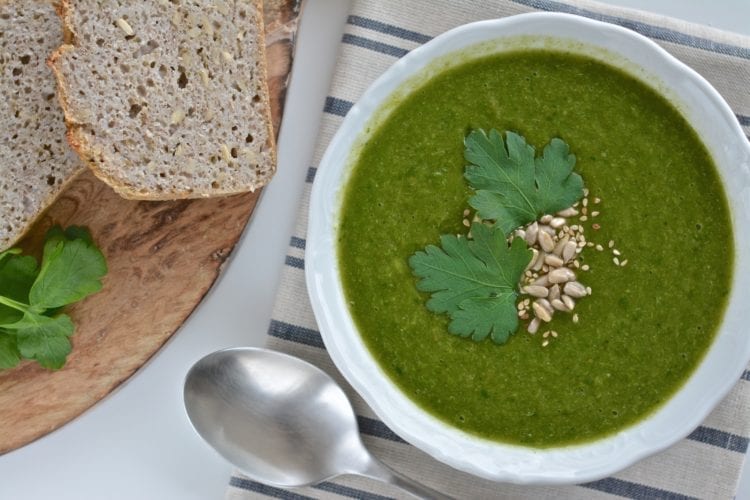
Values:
[(137, 443)]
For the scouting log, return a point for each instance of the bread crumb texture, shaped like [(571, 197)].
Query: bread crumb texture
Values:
[(168, 99), (35, 160)]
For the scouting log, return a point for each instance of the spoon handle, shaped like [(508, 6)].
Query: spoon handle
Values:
[(378, 470)]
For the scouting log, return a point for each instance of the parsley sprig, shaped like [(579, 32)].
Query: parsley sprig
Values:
[(475, 280), (32, 295), (513, 187)]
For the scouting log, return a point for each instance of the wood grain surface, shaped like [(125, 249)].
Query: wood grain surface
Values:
[(163, 257)]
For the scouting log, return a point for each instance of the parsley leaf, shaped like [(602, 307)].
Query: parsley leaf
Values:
[(44, 339), (474, 281), (71, 270), (31, 296), (513, 188), (9, 355)]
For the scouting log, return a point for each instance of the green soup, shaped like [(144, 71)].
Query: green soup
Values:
[(646, 326)]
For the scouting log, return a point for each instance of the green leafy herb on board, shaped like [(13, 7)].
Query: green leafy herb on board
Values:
[(475, 281), (31, 296), (513, 188)]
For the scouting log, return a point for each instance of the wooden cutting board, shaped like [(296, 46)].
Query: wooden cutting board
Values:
[(163, 257)]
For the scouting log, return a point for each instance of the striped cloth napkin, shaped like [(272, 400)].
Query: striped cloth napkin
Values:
[(704, 465)]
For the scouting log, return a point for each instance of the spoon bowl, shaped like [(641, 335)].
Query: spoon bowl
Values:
[(281, 420)]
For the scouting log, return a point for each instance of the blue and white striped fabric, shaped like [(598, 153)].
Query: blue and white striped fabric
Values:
[(704, 465)]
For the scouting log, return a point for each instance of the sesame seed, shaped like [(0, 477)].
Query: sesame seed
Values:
[(616, 252), (466, 212), (600, 248), (545, 334), (588, 290), (553, 333), (616, 261), (583, 218), (585, 202), (594, 214), (575, 318), (624, 263), (545, 343), (597, 201), (585, 191), (611, 243), (590, 244), (466, 222), (596, 227)]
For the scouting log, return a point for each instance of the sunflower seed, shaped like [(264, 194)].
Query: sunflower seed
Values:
[(570, 250), (560, 245), (569, 302), (568, 212), (574, 289), (561, 275), (557, 222), (539, 262), (545, 228), (541, 312), (553, 261), (546, 241), (533, 326), (531, 233), (545, 219), (535, 255), (554, 292), (559, 305), (536, 291), (543, 280)]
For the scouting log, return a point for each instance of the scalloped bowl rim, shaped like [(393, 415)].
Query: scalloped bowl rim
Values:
[(721, 367)]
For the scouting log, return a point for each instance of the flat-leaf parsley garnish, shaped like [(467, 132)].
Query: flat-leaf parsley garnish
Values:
[(31, 325), (475, 278), (475, 281), (513, 187)]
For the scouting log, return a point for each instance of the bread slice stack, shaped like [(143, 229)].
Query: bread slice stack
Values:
[(35, 160), (167, 99)]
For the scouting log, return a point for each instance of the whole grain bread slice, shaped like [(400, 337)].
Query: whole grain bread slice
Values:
[(168, 99), (35, 160)]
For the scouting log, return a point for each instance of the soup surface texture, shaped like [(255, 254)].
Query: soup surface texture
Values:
[(645, 327)]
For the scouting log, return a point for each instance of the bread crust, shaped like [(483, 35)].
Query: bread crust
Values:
[(88, 153), (54, 191)]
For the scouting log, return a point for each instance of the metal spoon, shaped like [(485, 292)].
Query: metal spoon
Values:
[(281, 420)]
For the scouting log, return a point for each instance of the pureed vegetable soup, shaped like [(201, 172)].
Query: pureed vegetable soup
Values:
[(646, 325)]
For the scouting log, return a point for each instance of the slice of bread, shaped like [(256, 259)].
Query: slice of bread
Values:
[(167, 99), (35, 160)]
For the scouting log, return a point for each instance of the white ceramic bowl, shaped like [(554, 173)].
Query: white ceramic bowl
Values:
[(715, 376)]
